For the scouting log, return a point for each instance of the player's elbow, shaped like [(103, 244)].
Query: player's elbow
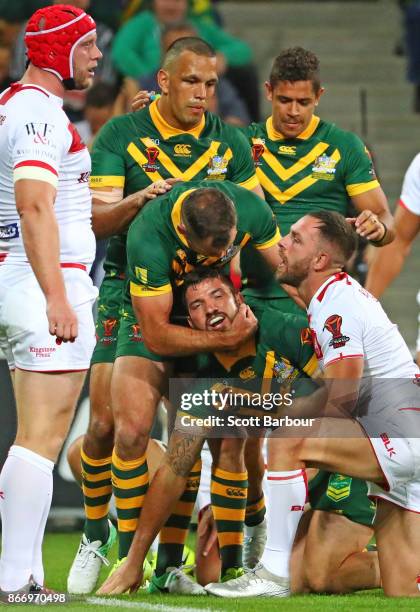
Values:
[(155, 341)]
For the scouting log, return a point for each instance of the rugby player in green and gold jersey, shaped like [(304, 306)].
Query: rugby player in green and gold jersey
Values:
[(305, 163), (197, 223), (271, 356), (175, 137)]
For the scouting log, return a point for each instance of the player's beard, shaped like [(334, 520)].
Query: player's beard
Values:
[(294, 274)]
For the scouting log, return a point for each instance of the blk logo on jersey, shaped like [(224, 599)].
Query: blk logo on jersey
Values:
[(152, 154), (84, 177), (2, 119), (333, 325), (388, 444)]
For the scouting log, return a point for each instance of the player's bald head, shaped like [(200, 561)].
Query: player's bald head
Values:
[(193, 44), (208, 213), (335, 235)]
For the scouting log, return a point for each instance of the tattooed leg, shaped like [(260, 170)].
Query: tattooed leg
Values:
[(167, 486)]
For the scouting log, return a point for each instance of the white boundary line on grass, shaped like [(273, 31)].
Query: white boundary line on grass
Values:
[(138, 605)]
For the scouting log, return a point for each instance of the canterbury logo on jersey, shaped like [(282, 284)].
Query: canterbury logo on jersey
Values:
[(287, 150), (182, 150)]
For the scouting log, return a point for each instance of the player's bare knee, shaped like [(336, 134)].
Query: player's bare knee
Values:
[(319, 580), (101, 429), (131, 439)]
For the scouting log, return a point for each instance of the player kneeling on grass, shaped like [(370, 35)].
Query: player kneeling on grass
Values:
[(213, 304), (366, 416)]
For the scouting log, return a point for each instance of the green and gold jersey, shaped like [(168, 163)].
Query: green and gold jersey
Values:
[(319, 170), (158, 254), (133, 150), (278, 355)]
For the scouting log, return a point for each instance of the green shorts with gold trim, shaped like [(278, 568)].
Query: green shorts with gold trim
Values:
[(342, 495), (130, 341), (108, 320)]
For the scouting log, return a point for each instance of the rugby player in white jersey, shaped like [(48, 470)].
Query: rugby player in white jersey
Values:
[(46, 249), (388, 262), (366, 417)]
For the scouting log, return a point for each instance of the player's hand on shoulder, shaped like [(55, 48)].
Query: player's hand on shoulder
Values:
[(156, 189), (143, 99), (127, 578), (368, 225), (244, 326), (153, 191), (62, 320)]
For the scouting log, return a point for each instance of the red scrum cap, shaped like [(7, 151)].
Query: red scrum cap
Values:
[(51, 36)]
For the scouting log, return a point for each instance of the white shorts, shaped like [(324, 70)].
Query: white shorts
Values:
[(24, 335), (399, 459)]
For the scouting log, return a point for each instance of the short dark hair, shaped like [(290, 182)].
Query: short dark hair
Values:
[(100, 95), (208, 212), (337, 231), (201, 274), (296, 64), (187, 43)]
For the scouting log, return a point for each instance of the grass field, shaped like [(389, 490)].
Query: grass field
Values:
[(59, 550)]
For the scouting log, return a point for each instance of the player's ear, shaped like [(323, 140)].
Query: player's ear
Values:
[(318, 95), (181, 229), (163, 80), (321, 261), (268, 90), (239, 298), (189, 322)]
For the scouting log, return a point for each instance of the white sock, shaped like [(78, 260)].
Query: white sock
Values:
[(25, 486), (286, 499), (37, 563)]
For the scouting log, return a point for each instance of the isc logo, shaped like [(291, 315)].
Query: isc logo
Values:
[(182, 149), (287, 150)]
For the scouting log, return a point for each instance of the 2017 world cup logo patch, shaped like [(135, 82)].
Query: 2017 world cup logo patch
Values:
[(333, 325)]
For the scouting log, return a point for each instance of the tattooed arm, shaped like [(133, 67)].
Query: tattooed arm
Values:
[(167, 487)]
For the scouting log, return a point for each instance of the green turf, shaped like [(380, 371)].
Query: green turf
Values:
[(59, 550)]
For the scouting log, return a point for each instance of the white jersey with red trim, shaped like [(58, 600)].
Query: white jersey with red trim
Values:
[(346, 321), (37, 141), (410, 193)]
